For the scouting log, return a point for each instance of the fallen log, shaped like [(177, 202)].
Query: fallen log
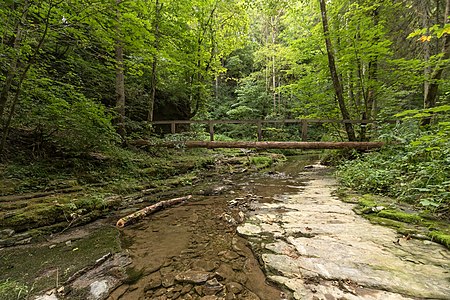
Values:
[(264, 145), (127, 220)]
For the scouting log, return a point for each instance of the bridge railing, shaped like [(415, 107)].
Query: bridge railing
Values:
[(303, 124)]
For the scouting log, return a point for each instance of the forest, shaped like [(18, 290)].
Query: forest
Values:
[(82, 80), (82, 77)]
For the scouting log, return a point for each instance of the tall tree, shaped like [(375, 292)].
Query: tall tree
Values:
[(432, 92), (334, 75), (154, 77), (120, 75)]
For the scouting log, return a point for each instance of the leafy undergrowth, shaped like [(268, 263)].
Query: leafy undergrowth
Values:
[(415, 171), (400, 216)]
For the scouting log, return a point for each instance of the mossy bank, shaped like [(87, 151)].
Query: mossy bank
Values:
[(57, 217)]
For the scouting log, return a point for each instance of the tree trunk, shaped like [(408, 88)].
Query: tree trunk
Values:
[(158, 8), (334, 75), (12, 70), (274, 78), (431, 96), (370, 105), (23, 76), (120, 77), (426, 49)]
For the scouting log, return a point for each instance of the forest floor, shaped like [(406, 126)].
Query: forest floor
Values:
[(276, 234)]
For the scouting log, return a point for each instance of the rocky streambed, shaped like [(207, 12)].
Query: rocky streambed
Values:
[(314, 244), (279, 234), (193, 252)]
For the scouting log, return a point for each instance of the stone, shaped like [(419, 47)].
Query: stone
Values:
[(199, 289), (251, 296), (154, 281), (6, 233), (177, 288), (230, 255), (194, 277), (98, 289), (168, 280), (23, 241), (47, 297), (166, 270), (234, 287), (230, 296), (323, 238), (248, 229), (160, 292), (212, 287), (204, 265), (187, 297), (186, 289), (209, 297), (224, 272)]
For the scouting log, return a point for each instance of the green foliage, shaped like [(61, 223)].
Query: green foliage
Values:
[(417, 172), (261, 162), (11, 290), (66, 118)]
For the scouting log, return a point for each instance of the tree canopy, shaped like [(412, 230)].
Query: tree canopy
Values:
[(86, 70)]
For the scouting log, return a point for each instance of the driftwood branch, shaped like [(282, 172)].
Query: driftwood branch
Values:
[(127, 220)]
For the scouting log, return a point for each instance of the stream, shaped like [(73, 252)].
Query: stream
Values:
[(277, 235)]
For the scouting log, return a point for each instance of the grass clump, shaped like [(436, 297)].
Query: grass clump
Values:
[(12, 290), (261, 162)]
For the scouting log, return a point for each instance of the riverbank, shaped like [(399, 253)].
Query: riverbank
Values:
[(316, 245), (58, 221)]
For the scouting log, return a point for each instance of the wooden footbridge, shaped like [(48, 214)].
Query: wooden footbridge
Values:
[(303, 125)]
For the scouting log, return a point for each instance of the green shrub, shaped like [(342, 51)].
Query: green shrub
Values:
[(416, 171)]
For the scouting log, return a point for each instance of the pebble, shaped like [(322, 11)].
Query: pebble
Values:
[(212, 287), (234, 287), (6, 233), (194, 277)]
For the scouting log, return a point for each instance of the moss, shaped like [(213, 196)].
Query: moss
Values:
[(133, 275), (400, 216), (440, 238), (400, 227), (405, 221), (37, 265), (367, 201)]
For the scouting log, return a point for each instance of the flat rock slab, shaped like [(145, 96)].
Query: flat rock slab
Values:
[(316, 246)]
